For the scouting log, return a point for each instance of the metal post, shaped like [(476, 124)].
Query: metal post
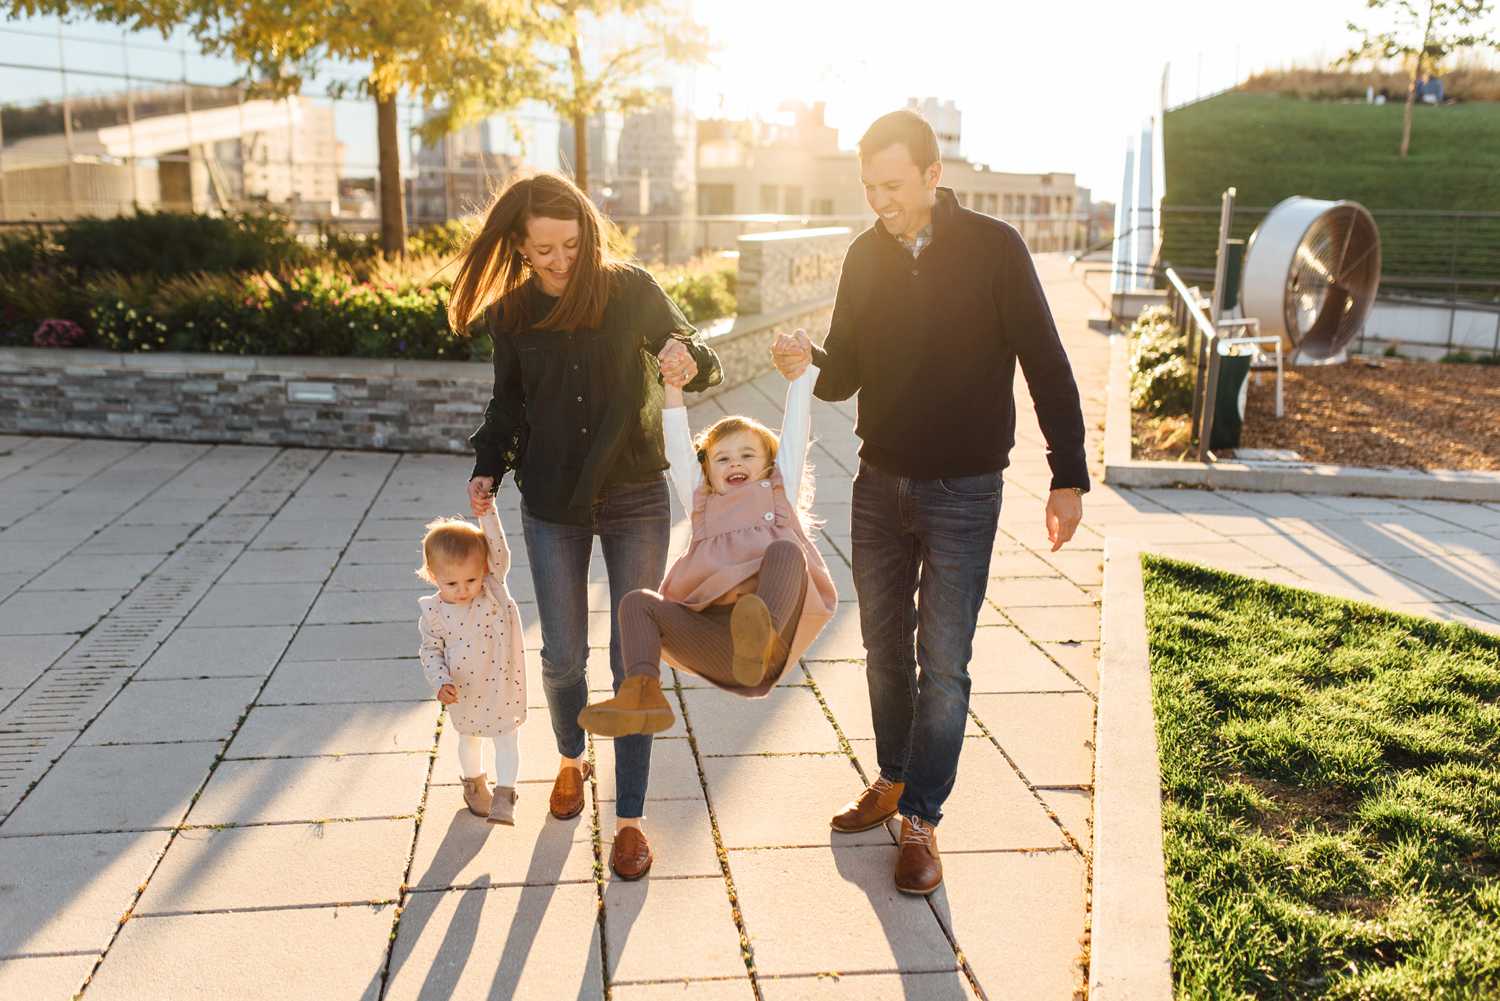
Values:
[(4, 199), (1210, 394), (291, 159), (62, 73), (1221, 262), (1453, 274), (187, 127), (135, 180)]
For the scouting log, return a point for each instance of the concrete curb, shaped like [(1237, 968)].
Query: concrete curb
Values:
[(1122, 470), (1130, 946)]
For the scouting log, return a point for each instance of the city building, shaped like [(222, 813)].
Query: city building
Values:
[(798, 169), (455, 175), (197, 149)]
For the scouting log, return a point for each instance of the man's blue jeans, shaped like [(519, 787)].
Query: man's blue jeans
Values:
[(928, 539), (634, 526)]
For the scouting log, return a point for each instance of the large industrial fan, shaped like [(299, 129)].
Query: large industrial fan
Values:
[(1311, 271)]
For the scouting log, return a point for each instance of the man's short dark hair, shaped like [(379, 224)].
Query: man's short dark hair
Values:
[(907, 128)]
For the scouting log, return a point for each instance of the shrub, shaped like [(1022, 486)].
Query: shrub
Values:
[(174, 243), (1161, 381), (444, 239), (26, 250), (704, 290), (58, 334), (1471, 358)]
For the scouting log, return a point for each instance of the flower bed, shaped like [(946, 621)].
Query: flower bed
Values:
[(131, 285)]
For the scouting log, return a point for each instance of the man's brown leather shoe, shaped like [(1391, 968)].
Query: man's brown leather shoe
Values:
[(567, 792), (919, 870), (875, 806), (631, 856)]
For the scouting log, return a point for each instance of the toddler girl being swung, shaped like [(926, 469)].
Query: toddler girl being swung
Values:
[(751, 592), (473, 655)]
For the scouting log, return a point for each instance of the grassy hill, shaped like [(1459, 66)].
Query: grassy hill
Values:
[(1270, 146)]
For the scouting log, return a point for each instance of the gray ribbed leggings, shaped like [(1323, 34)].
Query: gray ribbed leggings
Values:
[(650, 623)]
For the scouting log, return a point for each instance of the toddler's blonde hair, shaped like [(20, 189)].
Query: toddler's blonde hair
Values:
[(449, 541)]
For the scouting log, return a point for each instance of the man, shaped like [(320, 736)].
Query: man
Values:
[(935, 305)]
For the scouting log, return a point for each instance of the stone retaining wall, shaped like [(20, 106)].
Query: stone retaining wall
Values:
[(349, 402)]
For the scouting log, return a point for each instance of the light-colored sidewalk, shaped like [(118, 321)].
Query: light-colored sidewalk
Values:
[(221, 771)]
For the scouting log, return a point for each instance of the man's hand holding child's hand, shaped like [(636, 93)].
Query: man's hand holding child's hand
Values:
[(792, 353)]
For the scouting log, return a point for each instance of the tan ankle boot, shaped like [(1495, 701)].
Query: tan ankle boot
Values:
[(757, 648), (477, 795), (503, 809), (638, 707)]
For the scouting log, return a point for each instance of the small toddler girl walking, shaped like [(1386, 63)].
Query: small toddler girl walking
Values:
[(751, 592), (473, 655)]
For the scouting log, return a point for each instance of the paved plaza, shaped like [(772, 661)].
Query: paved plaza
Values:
[(222, 774)]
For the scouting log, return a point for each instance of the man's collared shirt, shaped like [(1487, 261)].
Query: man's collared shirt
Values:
[(918, 243)]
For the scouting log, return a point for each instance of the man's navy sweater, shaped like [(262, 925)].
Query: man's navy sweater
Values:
[(931, 343)]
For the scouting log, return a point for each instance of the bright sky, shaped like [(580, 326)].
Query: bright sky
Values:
[(1042, 85)]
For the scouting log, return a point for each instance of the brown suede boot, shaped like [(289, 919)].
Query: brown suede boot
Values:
[(477, 795), (757, 648), (503, 809), (875, 806), (638, 707)]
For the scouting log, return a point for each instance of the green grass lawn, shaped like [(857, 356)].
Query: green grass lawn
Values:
[(1270, 147), (1331, 784)]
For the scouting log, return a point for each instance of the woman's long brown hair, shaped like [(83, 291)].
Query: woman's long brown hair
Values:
[(492, 266)]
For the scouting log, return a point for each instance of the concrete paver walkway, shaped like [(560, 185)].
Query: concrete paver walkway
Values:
[(221, 773)]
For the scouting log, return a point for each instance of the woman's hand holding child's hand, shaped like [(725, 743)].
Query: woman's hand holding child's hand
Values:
[(481, 490), (448, 694), (677, 365)]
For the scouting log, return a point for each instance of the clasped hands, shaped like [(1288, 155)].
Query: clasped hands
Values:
[(792, 353)]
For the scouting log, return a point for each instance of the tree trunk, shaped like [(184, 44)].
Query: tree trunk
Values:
[(1411, 87), (392, 198), (581, 152), (580, 118)]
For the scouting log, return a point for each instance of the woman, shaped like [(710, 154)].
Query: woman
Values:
[(583, 342)]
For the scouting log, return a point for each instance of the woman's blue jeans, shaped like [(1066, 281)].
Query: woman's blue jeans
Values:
[(634, 525)]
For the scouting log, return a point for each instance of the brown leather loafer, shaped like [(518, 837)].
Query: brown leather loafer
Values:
[(919, 870), (875, 806), (567, 792), (631, 856)]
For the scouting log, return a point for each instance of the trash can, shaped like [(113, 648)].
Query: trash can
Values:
[(1229, 415)]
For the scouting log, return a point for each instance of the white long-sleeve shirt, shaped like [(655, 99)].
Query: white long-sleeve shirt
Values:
[(791, 454)]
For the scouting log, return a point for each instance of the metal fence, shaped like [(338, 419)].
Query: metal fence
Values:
[(1451, 256)]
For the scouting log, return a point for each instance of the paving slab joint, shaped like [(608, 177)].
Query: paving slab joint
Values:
[(1131, 947)]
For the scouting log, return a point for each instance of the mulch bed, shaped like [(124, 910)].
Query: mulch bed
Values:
[(1370, 412), (1382, 412)]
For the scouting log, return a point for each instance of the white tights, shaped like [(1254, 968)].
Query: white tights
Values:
[(507, 757)]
